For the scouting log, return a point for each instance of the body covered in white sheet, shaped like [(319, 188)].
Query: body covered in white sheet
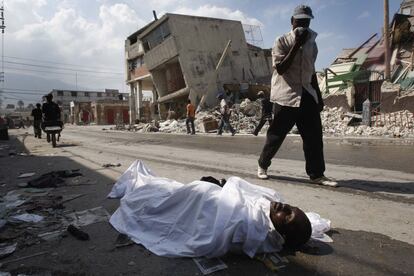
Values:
[(197, 219)]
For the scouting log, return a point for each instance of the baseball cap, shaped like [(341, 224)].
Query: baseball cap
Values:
[(302, 12)]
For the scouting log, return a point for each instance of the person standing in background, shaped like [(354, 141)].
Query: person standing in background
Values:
[(190, 117)]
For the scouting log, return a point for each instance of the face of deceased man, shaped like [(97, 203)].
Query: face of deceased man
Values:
[(291, 223)]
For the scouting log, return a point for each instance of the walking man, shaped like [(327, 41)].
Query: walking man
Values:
[(37, 120), (190, 117), (267, 107), (225, 116), (297, 98)]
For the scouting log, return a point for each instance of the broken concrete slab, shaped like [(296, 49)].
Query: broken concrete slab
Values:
[(7, 249), (28, 218), (25, 175)]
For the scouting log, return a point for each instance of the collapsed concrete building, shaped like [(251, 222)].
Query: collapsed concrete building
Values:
[(180, 57), (357, 73)]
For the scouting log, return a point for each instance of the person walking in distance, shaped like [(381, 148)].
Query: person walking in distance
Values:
[(297, 98), (266, 115), (190, 117), (37, 120), (225, 116)]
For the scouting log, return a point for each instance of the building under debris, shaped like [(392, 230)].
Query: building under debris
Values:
[(359, 72), (180, 57)]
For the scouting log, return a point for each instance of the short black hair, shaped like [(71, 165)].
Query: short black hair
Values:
[(298, 235)]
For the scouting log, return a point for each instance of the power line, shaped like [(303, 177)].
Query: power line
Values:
[(30, 95), (61, 63), (63, 73), (12, 98), (66, 69), (24, 93), (20, 90)]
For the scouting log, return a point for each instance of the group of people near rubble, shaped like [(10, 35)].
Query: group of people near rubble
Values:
[(208, 217)]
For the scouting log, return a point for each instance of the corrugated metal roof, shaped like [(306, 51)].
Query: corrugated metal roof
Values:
[(377, 52), (345, 52)]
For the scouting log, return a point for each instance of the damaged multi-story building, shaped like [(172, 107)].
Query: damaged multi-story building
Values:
[(360, 71), (180, 57)]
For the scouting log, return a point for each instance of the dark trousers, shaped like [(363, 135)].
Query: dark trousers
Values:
[(225, 121), (188, 122), (37, 128), (263, 120), (308, 120)]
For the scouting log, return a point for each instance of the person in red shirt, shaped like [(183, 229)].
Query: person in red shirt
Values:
[(190, 117)]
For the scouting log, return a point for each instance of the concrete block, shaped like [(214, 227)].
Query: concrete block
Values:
[(208, 125)]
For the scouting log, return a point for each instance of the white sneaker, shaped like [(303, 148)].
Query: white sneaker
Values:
[(325, 181), (262, 173)]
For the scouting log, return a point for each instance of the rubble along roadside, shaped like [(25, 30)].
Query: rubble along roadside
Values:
[(336, 122)]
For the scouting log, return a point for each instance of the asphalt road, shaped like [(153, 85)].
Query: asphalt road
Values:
[(390, 154), (372, 213)]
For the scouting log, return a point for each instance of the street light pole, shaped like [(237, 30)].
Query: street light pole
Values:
[(387, 40)]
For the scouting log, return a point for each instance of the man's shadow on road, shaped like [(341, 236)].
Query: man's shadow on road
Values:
[(379, 186), (66, 145), (357, 184)]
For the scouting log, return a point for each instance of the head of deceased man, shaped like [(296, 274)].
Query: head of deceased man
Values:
[(291, 223)]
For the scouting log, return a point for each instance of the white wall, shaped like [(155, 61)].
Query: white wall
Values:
[(200, 43)]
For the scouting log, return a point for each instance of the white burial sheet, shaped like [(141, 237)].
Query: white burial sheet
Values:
[(196, 219)]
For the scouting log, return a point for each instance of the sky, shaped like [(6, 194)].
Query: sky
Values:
[(86, 37)]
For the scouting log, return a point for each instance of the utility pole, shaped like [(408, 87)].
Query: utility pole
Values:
[(2, 27), (387, 40)]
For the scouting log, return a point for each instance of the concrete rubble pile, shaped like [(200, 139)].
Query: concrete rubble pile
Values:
[(244, 118), (144, 127), (396, 87), (173, 126), (336, 122), (250, 108)]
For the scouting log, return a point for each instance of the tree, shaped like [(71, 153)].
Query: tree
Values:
[(30, 106), (20, 104)]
